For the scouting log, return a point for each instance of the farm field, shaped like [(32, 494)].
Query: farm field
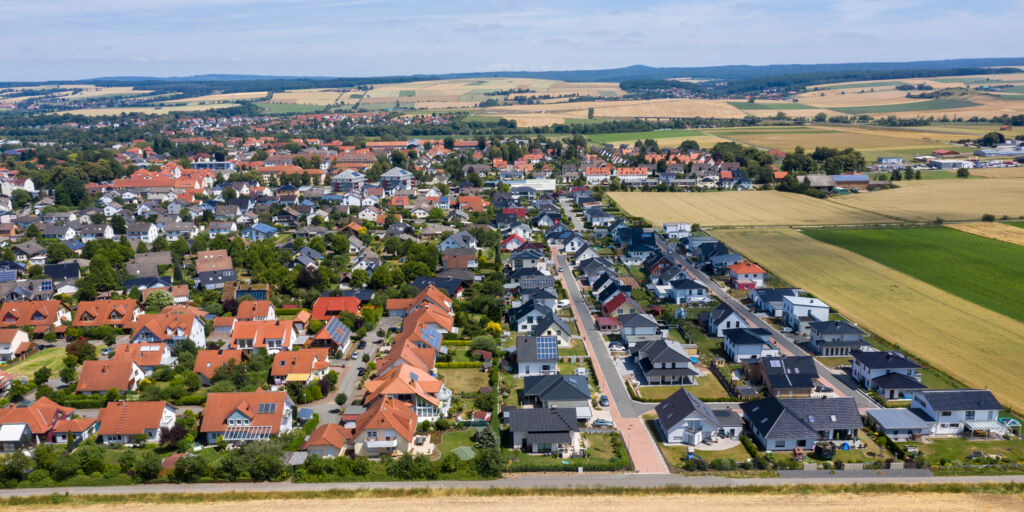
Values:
[(774, 107), (733, 208), (926, 200), (971, 343), (886, 142), (765, 500), (113, 111), (982, 270), (939, 104), (995, 230), (218, 98)]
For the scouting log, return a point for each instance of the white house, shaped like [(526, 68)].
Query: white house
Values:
[(745, 344), (683, 419), (951, 411), (799, 312)]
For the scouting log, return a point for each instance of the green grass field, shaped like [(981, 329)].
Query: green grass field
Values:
[(743, 105), (941, 104), (1017, 224), (405, 94), (290, 108), (51, 358), (981, 270), (605, 138)]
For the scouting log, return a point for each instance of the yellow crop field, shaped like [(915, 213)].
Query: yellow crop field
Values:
[(999, 172), (456, 499), (840, 137), (994, 230), (308, 96), (113, 111), (971, 343), (217, 98), (733, 208), (925, 200)]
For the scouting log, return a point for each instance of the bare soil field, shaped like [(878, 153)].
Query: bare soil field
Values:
[(767, 502), (971, 343), (748, 208), (926, 200), (994, 230)]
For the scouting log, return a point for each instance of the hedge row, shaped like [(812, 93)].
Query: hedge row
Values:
[(458, 343), (460, 364), (287, 311), (762, 463)]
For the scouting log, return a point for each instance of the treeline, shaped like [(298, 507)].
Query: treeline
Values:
[(652, 84), (800, 81)]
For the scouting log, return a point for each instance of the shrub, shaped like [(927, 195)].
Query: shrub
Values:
[(988, 217)]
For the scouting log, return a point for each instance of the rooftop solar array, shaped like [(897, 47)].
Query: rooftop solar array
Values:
[(547, 347)]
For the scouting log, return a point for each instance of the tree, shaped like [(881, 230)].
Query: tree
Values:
[(158, 300), (16, 466), (449, 143), (58, 252), (263, 460), (32, 231), (191, 468), (41, 376), (358, 278), (147, 467), (118, 224), (20, 199), (991, 139), (68, 374), (341, 399), (963, 173), (488, 462)]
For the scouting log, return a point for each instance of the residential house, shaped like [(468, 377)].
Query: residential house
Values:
[(836, 338), (687, 291), (637, 328), (426, 395), (745, 343), (665, 362), (540, 430), (746, 276), (304, 365), (246, 416), (326, 308), (99, 377), (558, 391), (899, 424), (25, 426), (799, 312), (684, 419), (117, 313), (536, 356), (207, 362), (272, 335), (891, 374), (553, 326), (334, 335), (953, 411), (259, 231), (387, 426), (769, 300), (147, 356), (143, 232), (460, 240), (782, 424), (724, 317), (38, 314), (791, 376), (123, 422), (173, 324), (256, 310)]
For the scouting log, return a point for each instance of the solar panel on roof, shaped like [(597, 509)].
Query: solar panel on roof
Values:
[(775, 363), (547, 347), (266, 408)]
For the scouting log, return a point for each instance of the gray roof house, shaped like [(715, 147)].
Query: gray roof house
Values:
[(684, 419), (952, 411), (544, 430), (724, 317), (836, 338), (745, 344), (665, 362), (891, 374), (787, 423), (558, 391), (536, 356)]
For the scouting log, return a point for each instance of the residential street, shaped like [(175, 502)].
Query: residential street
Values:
[(785, 342)]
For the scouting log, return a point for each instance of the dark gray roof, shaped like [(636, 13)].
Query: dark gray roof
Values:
[(800, 418), (681, 405), (789, 372), (723, 310), (747, 336), (556, 387), (897, 418), (514, 314), (897, 381), (776, 294), (547, 321), (661, 351), (542, 420), (526, 350), (687, 284), (834, 327), (884, 360), (961, 399), (636, 320), (728, 418)]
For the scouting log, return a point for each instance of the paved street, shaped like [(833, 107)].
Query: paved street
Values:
[(785, 343), (543, 481)]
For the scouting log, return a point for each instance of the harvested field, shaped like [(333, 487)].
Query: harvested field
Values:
[(810, 138), (973, 344), (915, 106), (829, 99), (999, 172), (712, 501), (773, 106), (925, 200), (732, 208), (221, 97), (993, 230), (114, 111), (308, 96)]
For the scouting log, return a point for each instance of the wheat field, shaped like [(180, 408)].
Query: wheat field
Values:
[(994, 230), (973, 344), (926, 200)]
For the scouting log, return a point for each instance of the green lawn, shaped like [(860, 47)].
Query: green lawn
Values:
[(743, 105), (463, 380), (577, 348), (833, 362), (737, 453), (982, 270), (600, 445), (658, 392), (707, 388), (51, 358), (957, 449), (1017, 224), (453, 440), (940, 104), (937, 380)]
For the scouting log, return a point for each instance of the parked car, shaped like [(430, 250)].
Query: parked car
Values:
[(355, 355), (603, 401), (603, 423), (361, 372), (362, 345)]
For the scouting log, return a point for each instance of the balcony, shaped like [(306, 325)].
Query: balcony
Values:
[(379, 444)]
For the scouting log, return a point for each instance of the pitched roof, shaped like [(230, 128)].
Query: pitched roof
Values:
[(209, 261), (326, 308), (883, 360), (789, 372), (143, 354), (305, 360), (30, 312), (556, 387), (404, 380), (388, 413), (330, 434), (540, 420), (207, 361), (91, 313), (253, 309), (102, 376), (745, 267), (129, 418), (40, 416), (800, 418), (681, 405), (961, 399), (253, 405)]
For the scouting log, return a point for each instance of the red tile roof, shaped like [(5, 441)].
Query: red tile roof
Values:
[(102, 376), (93, 313), (207, 361), (326, 307), (221, 405), (130, 418)]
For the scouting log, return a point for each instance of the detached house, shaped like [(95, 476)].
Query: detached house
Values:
[(241, 417), (98, 377), (724, 317), (891, 374), (952, 411), (746, 276), (304, 365), (125, 422), (544, 430), (386, 427), (536, 356), (94, 313), (13, 343), (745, 344), (684, 419), (426, 395), (147, 356), (782, 424), (39, 314), (799, 312), (836, 338)]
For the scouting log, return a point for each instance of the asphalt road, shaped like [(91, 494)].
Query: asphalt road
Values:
[(544, 481), (785, 342)]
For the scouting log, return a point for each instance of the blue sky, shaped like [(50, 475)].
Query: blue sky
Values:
[(74, 39)]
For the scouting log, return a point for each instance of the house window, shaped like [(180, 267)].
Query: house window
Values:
[(801, 443), (969, 415), (780, 444), (945, 414)]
